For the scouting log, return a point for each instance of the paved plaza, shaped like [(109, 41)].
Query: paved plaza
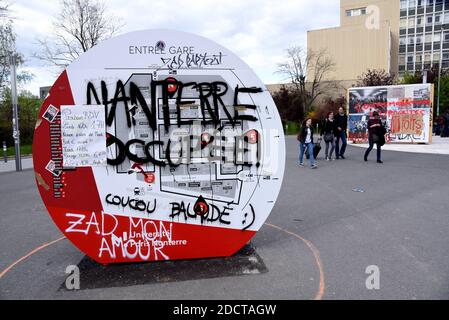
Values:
[(328, 226)]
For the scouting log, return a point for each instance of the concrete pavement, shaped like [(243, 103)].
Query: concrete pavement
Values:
[(27, 163), (399, 224), (438, 146)]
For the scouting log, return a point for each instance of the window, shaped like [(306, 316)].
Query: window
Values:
[(412, 4), (403, 40), (446, 17), (428, 38), (410, 59), (404, 4), (356, 12), (438, 19), (402, 60), (437, 37), (411, 40), (427, 57), (446, 55), (420, 21), (419, 39), (436, 57), (418, 58), (421, 3), (446, 36), (411, 22), (403, 23), (429, 19)]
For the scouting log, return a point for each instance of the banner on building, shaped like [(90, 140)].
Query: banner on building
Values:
[(405, 109), (160, 145)]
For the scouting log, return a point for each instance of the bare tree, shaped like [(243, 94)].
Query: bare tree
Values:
[(307, 71), (3, 9), (8, 49), (5, 43), (80, 25)]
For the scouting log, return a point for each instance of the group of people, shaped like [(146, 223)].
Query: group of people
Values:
[(333, 131)]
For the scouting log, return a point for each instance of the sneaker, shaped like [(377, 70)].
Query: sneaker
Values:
[(301, 164), (328, 159), (343, 157), (314, 166), (379, 161)]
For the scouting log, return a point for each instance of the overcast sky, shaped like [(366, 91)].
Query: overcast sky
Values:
[(257, 31)]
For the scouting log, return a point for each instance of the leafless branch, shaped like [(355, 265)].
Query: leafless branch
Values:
[(79, 26), (4, 8), (307, 70)]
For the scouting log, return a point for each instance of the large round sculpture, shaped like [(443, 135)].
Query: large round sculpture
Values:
[(158, 145)]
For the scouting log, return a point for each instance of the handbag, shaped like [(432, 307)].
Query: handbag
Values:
[(328, 137), (382, 141)]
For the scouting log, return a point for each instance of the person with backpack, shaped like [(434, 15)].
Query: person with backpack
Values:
[(327, 130), (341, 124), (305, 138), (376, 135)]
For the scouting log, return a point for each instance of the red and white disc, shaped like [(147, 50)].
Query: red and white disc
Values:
[(150, 152)]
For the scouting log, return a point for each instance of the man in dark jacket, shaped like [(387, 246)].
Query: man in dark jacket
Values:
[(341, 124)]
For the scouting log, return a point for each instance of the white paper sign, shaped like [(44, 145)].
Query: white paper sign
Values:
[(83, 130)]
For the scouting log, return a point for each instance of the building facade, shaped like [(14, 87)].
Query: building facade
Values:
[(368, 37), (423, 35), (409, 36)]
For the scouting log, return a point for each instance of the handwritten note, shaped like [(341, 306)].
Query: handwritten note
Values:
[(83, 130)]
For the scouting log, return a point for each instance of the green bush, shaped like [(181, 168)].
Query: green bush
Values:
[(291, 128), (24, 150)]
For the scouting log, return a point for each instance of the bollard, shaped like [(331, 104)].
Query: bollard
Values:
[(5, 152)]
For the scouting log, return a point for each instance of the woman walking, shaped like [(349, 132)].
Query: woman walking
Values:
[(305, 138), (327, 131), (376, 135)]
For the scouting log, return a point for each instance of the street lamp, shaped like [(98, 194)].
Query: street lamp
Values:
[(15, 113)]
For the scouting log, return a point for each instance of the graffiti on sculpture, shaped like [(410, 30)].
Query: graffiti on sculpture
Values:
[(159, 152)]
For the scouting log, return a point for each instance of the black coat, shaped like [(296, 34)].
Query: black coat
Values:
[(378, 131), (328, 127), (303, 134), (340, 121)]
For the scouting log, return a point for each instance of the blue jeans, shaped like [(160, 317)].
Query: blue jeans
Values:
[(302, 149), (371, 146), (340, 152)]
